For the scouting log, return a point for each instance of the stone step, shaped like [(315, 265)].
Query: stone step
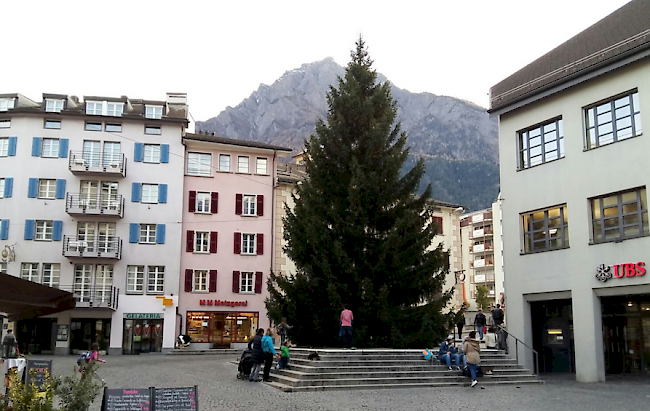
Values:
[(422, 367), (362, 374), (216, 351), (416, 356), (466, 383), (295, 382), (389, 362)]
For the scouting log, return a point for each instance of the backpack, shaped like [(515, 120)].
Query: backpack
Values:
[(83, 358), (427, 354)]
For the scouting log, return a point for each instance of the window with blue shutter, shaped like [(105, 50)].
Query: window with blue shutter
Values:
[(57, 229), (4, 229), (136, 189), (138, 152), (60, 189), (63, 147), (134, 229), (9, 185), (29, 229), (36, 147), (160, 234), (32, 188), (164, 153), (162, 193), (11, 151)]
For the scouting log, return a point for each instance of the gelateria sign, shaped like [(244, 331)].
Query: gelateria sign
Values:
[(225, 303), (607, 272)]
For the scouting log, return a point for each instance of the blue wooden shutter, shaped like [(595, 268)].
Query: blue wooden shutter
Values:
[(4, 229), (136, 189), (138, 152), (60, 188), (63, 147), (162, 193), (29, 229), (133, 233), (160, 234), (9, 185), (36, 147), (57, 229), (12, 146), (164, 153), (32, 188)]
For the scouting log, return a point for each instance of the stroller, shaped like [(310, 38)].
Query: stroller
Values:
[(245, 364)]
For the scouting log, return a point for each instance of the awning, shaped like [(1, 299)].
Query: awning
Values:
[(22, 299)]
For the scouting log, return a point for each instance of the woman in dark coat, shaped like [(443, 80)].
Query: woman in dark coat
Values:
[(255, 344)]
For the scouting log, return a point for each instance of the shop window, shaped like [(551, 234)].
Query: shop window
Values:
[(221, 328)]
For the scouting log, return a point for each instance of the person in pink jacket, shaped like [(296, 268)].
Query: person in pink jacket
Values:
[(346, 327)]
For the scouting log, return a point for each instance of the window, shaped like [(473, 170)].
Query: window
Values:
[(224, 162), (151, 153), (115, 109), (135, 279), (546, 230), (541, 144), (202, 202), (246, 280), (114, 128), (619, 216), (3, 268), (156, 281), (150, 193), (261, 166), (153, 112), (5, 123), (93, 126), (82, 282), (53, 106), (201, 241), (44, 230), (248, 243), (147, 234), (242, 164), (617, 119), (4, 147), (2, 187), (46, 189), (51, 274), (94, 108), (199, 164), (6, 104), (249, 204), (200, 281), (53, 124), (29, 272), (50, 147), (103, 283), (152, 130)]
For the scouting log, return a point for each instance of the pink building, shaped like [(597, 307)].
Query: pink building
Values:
[(228, 207)]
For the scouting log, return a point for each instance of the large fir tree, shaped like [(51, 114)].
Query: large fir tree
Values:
[(359, 233)]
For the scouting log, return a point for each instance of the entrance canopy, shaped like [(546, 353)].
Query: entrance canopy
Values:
[(22, 299)]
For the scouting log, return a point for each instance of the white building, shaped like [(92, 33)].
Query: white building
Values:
[(574, 182), (90, 202)]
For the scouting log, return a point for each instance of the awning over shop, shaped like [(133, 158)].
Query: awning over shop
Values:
[(22, 299)]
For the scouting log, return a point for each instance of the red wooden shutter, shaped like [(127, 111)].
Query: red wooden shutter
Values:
[(192, 205), (214, 203), (213, 281), (258, 282), (213, 242), (190, 241), (438, 222), (260, 244), (260, 205), (235, 282), (238, 204), (237, 243), (188, 280)]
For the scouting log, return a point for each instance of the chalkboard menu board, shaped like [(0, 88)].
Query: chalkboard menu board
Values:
[(128, 399), (151, 399), (39, 368), (176, 399)]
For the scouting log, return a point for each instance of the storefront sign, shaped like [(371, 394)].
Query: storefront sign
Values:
[(224, 303), (606, 272), (143, 316)]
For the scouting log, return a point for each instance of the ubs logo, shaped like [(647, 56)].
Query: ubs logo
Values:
[(606, 272)]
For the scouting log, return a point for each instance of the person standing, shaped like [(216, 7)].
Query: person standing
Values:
[(282, 330), (269, 352), (460, 323), (472, 348), (9, 345), (346, 327), (255, 344), (284, 356), (480, 323)]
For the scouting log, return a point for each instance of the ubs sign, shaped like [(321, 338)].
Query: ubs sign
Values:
[(606, 272)]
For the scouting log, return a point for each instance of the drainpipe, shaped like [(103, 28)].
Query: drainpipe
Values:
[(273, 187)]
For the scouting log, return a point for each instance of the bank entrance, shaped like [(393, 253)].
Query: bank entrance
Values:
[(626, 333), (552, 322)]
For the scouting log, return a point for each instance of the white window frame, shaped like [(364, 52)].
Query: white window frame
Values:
[(151, 153), (51, 274), (203, 202), (2, 188), (29, 271), (53, 106), (44, 230), (4, 146), (6, 123), (148, 196), (263, 163), (243, 164), (46, 189), (224, 163), (52, 124), (50, 148), (7, 103), (200, 280), (147, 234), (155, 279), (153, 130), (199, 164), (154, 112), (83, 277), (135, 279), (248, 244), (114, 109), (94, 108), (249, 205), (246, 282), (202, 242)]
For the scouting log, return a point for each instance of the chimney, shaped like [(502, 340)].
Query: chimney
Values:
[(176, 98)]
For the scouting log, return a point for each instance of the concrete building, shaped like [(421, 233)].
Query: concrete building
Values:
[(574, 183), (447, 217), (89, 204)]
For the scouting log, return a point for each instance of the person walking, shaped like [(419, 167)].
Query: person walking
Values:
[(255, 344), (497, 320), (346, 327), (472, 348), (269, 352), (480, 323), (282, 330), (460, 323), (497, 315), (86, 367)]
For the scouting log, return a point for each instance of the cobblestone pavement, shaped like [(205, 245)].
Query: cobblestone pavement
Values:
[(219, 389)]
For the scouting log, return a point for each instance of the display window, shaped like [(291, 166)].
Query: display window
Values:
[(221, 328)]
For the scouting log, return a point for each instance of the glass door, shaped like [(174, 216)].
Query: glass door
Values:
[(82, 282), (88, 194), (103, 283), (91, 153), (109, 196), (106, 237), (112, 153), (86, 235)]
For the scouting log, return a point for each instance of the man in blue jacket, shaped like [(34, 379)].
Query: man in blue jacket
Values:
[(269, 352), (448, 352)]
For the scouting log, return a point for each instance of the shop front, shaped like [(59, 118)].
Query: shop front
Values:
[(626, 329), (220, 329), (142, 333), (85, 331)]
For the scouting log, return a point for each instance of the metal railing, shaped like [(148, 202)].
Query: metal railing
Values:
[(96, 204), (502, 330), (88, 162), (94, 297), (92, 247)]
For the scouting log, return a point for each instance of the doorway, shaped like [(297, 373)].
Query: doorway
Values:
[(142, 336), (85, 331), (552, 323), (626, 334)]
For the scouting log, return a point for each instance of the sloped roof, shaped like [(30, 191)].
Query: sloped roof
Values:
[(235, 142)]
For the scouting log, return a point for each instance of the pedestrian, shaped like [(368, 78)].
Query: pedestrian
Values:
[(460, 323), (92, 359), (269, 352), (282, 330), (447, 353), (284, 356), (472, 348), (9, 345), (480, 323), (497, 315), (497, 320), (255, 344), (346, 327)]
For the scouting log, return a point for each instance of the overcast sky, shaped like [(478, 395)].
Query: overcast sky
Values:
[(219, 52)]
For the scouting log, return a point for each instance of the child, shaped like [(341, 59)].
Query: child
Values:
[(94, 357), (284, 356)]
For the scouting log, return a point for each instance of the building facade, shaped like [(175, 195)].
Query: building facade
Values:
[(447, 217), (574, 181), (88, 204)]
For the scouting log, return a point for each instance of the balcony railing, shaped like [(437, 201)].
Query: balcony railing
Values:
[(92, 247), (481, 248), (97, 163), (104, 205), (94, 297), (483, 278), (482, 232), (483, 262)]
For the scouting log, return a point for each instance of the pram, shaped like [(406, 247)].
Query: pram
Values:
[(245, 364)]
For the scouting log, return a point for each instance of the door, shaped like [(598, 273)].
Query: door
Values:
[(88, 191), (109, 196), (86, 235), (112, 153), (82, 282), (106, 238), (91, 153), (103, 283)]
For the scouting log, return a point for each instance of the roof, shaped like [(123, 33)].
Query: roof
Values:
[(23, 299), (622, 34), (235, 142)]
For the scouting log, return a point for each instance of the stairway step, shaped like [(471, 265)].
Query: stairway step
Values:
[(387, 374), (287, 388), (393, 380)]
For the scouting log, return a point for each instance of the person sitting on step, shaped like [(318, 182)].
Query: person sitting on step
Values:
[(447, 352)]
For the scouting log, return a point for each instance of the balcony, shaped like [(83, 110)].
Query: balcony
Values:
[(92, 247), (482, 263), (481, 232), (103, 205), (481, 248), (483, 278), (106, 297), (97, 164)]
